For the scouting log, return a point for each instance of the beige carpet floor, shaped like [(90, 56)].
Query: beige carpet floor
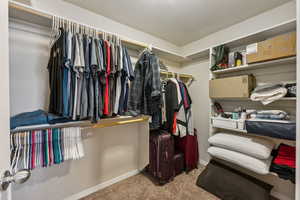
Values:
[(143, 187)]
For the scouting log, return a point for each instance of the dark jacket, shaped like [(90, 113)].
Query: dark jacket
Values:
[(145, 94)]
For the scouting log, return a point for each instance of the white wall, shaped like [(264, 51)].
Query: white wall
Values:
[(109, 153), (267, 19), (200, 106), (4, 90), (29, 54), (70, 11)]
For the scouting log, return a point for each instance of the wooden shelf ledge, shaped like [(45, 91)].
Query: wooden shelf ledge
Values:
[(107, 122)]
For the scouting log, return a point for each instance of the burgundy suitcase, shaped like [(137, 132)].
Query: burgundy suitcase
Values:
[(189, 146), (178, 163), (161, 156)]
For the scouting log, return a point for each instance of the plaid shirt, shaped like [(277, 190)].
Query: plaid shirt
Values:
[(145, 90)]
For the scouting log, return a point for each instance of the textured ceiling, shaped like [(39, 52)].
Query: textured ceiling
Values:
[(178, 21)]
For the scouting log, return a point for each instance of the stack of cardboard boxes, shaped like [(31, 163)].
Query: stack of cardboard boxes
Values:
[(281, 46)]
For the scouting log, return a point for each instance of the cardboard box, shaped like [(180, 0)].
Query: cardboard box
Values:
[(281, 46), (232, 87)]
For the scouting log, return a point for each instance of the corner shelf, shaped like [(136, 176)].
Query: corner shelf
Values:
[(290, 60)]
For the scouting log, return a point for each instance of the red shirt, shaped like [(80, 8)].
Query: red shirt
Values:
[(106, 92)]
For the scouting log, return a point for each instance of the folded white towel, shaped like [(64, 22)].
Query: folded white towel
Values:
[(267, 96), (267, 87), (272, 112)]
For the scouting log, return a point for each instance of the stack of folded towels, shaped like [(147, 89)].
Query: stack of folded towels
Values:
[(251, 153), (268, 93), (269, 115)]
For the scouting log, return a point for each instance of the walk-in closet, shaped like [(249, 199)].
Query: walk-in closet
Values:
[(133, 100)]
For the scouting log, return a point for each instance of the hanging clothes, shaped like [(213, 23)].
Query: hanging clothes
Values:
[(145, 91), (119, 67), (44, 148), (178, 109), (171, 96), (185, 123), (88, 76), (127, 75)]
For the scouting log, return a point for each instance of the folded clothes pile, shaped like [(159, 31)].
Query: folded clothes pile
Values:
[(284, 163), (270, 114), (250, 153), (268, 93), (271, 123), (36, 117)]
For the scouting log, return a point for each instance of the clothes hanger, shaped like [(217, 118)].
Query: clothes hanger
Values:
[(58, 25), (68, 25), (55, 32), (148, 48), (52, 31), (72, 28)]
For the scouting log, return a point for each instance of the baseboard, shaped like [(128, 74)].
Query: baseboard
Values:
[(203, 162), (280, 196), (103, 185)]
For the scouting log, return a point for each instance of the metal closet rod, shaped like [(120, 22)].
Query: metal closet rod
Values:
[(174, 74), (28, 9)]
